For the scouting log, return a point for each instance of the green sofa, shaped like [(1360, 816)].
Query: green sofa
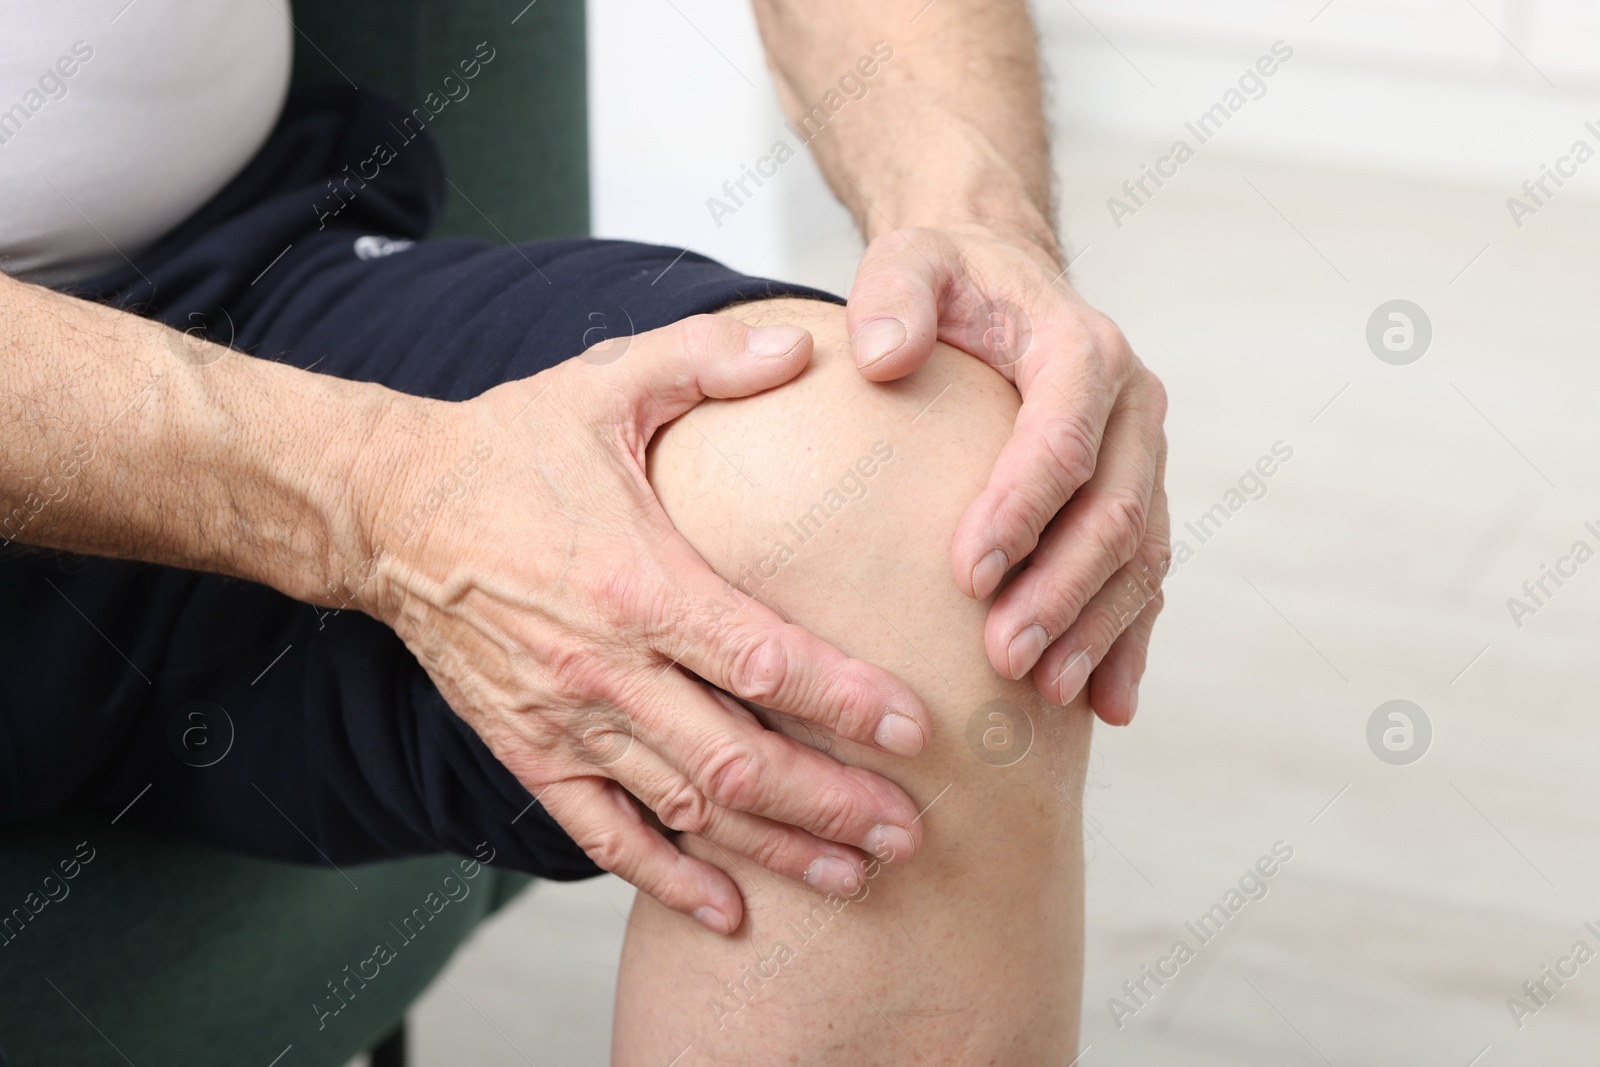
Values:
[(161, 952)]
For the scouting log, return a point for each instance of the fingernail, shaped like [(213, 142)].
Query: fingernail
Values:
[(713, 920), (770, 342), (829, 874), (899, 735), (1025, 650), (889, 842), (1133, 700), (877, 339), (987, 574), (1073, 675)]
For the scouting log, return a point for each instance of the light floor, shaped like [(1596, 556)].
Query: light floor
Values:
[(1377, 567)]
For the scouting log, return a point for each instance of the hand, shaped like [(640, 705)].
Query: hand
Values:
[(1077, 492), (524, 559)]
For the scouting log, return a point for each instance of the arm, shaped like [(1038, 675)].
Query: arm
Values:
[(121, 437), (945, 165), (951, 129), (558, 612)]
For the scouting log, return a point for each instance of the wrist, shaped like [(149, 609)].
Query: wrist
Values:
[(306, 475), (1007, 219), (417, 459), (363, 497), (987, 195)]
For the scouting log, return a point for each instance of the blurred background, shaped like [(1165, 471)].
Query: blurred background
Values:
[(1441, 858)]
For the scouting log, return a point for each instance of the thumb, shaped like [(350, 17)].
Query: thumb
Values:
[(669, 370), (893, 313)]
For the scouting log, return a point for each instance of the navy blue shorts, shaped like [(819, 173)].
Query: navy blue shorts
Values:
[(224, 711)]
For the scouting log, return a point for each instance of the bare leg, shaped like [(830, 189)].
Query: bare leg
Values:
[(833, 500)]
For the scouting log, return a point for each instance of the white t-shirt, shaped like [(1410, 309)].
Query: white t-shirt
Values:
[(118, 119)]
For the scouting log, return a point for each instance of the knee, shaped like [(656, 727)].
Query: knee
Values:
[(831, 478), (830, 452), (834, 501)]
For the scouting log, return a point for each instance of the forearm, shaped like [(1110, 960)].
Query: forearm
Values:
[(121, 437), (951, 128)]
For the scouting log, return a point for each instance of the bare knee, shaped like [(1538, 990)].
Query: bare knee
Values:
[(833, 501)]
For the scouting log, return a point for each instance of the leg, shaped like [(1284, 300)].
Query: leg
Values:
[(833, 500), (146, 662)]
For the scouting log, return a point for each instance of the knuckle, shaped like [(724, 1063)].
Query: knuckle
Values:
[(1158, 395), (1154, 560), (1071, 447), (1059, 600), (855, 708), (1119, 524), (1102, 628), (777, 851), (838, 808), (607, 848), (576, 669), (686, 810), (1138, 595), (760, 668), (1108, 338), (731, 777), (1050, 592), (616, 593), (887, 289), (698, 333), (1127, 608), (1025, 510), (603, 733)]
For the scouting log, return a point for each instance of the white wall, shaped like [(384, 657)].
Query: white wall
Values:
[(680, 99), (1425, 88)]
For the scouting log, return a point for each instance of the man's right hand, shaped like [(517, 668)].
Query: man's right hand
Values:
[(518, 549)]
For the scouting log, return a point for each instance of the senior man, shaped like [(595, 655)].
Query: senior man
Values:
[(534, 622)]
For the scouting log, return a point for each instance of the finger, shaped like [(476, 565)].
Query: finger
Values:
[(741, 646), (1098, 532), (725, 761), (666, 372), (788, 852), (778, 847), (1053, 451), (1134, 590), (603, 820), (1114, 686), (894, 306)]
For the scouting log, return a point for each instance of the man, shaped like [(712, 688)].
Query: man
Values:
[(514, 539)]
